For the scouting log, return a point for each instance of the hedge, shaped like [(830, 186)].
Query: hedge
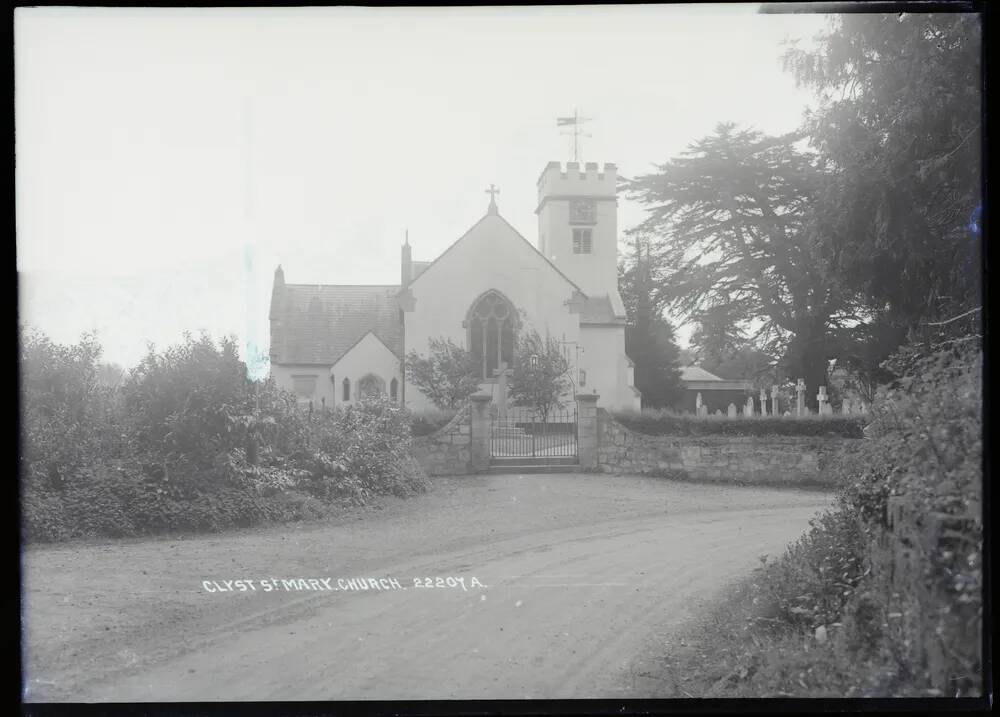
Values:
[(188, 442), (662, 423)]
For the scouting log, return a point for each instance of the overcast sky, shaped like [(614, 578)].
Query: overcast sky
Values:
[(168, 160)]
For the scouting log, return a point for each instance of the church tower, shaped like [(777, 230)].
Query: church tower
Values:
[(578, 224)]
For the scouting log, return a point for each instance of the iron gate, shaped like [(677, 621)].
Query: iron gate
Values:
[(525, 432)]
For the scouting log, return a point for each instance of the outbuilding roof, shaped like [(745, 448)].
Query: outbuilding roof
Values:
[(697, 373)]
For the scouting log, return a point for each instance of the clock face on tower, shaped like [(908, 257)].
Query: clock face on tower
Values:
[(582, 211)]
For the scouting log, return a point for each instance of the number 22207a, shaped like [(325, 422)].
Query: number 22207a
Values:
[(449, 582)]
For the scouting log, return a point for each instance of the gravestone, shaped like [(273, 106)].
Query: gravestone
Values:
[(699, 408), (845, 407), (748, 411), (501, 374), (800, 397), (763, 402), (823, 401), (774, 402), (731, 411)]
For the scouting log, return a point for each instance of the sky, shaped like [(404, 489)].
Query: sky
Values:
[(167, 160)]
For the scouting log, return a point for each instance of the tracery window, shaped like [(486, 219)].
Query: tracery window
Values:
[(491, 322), (370, 386)]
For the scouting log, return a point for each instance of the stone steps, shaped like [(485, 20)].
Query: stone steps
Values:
[(532, 469), (534, 461), (526, 464)]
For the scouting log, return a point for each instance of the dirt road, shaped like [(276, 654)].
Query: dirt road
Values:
[(580, 574)]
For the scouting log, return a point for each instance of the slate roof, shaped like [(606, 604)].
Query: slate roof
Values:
[(598, 310), (318, 323), (697, 373), (697, 378)]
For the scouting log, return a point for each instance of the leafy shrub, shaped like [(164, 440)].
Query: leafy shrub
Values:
[(810, 585), (665, 423), (926, 445), (189, 443), (925, 439), (448, 376), (424, 423), (361, 450)]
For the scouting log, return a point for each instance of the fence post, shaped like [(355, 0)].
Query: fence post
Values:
[(586, 427), (479, 433)]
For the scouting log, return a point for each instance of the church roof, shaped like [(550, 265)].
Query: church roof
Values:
[(318, 323), (598, 310), (493, 215)]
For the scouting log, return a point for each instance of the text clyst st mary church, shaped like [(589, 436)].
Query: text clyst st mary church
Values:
[(335, 344)]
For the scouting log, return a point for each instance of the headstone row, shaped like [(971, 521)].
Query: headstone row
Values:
[(823, 400)]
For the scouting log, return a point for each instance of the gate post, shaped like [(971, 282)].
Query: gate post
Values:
[(586, 430), (479, 433)]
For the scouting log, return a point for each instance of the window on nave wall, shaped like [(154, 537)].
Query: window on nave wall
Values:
[(371, 386), (491, 332)]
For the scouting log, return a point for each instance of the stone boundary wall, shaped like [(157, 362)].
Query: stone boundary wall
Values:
[(940, 634), (446, 452), (736, 459)]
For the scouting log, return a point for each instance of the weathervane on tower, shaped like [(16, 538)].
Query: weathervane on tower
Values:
[(575, 121)]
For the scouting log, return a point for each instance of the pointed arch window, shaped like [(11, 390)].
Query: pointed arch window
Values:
[(394, 389), (370, 386), (347, 389), (492, 322)]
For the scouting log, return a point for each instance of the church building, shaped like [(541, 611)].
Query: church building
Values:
[(334, 344)]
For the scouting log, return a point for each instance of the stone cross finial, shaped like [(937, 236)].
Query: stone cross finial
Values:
[(800, 392), (493, 191)]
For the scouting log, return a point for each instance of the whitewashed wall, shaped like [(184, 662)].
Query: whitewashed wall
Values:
[(490, 256), (369, 355), (607, 368)]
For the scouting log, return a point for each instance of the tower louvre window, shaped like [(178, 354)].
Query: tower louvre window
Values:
[(582, 240)]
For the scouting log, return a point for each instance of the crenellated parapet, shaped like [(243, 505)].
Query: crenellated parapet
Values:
[(575, 180)]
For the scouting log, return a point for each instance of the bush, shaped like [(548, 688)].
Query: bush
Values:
[(810, 585), (925, 440), (925, 445), (360, 451), (190, 443), (665, 423), (424, 423)]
